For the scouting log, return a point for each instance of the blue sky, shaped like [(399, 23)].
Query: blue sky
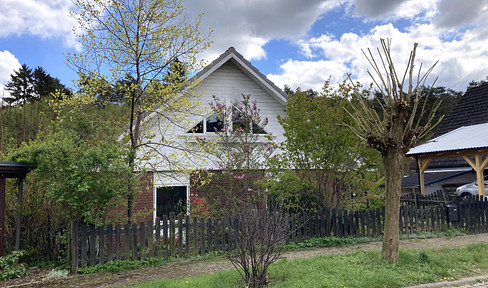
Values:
[(294, 42)]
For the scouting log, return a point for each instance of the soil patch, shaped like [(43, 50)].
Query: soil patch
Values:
[(190, 268)]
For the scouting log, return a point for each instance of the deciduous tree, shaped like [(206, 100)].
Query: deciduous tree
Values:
[(324, 164), (397, 130), (140, 40)]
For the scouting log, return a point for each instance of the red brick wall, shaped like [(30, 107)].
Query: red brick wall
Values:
[(144, 203)]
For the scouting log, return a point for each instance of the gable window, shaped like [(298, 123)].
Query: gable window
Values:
[(211, 124), (238, 121), (215, 123)]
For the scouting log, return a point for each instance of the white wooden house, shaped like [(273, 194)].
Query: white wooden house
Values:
[(228, 78)]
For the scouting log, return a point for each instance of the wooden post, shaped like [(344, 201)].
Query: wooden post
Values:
[(422, 165), (2, 214), (19, 214), (478, 165)]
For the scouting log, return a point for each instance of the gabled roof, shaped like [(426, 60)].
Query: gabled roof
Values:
[(472, 109), (243, 65), (247, 68), (462, 139)]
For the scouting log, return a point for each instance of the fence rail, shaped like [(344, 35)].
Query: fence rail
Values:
[(181, 236)]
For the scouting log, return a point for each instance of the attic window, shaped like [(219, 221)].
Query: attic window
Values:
[(239, 122), (214, 123)]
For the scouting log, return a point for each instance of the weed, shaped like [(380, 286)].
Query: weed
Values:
[(57, 274)]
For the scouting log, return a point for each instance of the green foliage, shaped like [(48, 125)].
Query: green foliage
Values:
[(9, 267), (82, 176), (324, 242), (121, 265), (324, 164), (27, 86)]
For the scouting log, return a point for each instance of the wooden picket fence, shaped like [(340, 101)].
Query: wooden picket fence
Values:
[(183, 236)]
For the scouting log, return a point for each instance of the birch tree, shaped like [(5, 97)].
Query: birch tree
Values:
[(139, 40), (397, 130)]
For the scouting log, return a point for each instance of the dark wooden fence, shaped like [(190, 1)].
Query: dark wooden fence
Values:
[(181, 236)]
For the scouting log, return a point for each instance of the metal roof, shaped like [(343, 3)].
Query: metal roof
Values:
[(10, 169), (463, 138)]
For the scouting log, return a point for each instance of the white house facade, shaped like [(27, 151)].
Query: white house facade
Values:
[(228, 77)]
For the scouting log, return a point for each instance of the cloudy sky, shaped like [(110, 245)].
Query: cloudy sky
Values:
[(300, 43)]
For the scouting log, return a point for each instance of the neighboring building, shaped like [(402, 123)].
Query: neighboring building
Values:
[(228, 77), (446, 174)]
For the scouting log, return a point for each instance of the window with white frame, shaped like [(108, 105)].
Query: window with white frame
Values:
[(214, 122)]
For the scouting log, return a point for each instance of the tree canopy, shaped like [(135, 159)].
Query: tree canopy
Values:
[(139, 41)]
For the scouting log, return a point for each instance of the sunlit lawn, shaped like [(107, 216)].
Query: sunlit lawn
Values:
[(358, 269)]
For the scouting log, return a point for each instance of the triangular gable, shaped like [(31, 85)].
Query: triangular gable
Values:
[(247, 68), (244, 66)]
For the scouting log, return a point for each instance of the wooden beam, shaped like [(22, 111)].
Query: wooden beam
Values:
[(423, 164)]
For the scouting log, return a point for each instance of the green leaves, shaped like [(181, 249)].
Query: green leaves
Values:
[(324, 161), (85, 177)]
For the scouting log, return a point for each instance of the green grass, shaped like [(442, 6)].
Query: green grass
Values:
[(357, 269)]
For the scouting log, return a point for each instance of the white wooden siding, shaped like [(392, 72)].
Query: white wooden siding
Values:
[(227, 82)]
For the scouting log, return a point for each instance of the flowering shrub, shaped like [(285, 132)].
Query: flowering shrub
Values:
[(241, 152), (198, 206)]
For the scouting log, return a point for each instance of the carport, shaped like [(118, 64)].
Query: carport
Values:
[(469, 142), (11, 170)]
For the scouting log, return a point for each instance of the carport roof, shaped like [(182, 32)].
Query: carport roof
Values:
[(465, 138)]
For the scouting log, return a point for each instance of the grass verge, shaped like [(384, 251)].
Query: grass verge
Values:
[(357, 269)]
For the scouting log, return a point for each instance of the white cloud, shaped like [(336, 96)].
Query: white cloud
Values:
[(8, 63), (309, 74), (43, 18), (248, 25), (440, 29)]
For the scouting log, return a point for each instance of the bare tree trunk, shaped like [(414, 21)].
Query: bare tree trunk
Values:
[(393, 161)]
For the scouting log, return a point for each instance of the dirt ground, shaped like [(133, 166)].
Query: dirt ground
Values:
[(197, 267)]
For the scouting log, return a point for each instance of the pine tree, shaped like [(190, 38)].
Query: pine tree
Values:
[(21, 85)]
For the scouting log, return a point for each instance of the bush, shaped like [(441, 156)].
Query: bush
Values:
[(9, 267)]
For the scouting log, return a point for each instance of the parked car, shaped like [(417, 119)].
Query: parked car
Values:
[(470, 189)]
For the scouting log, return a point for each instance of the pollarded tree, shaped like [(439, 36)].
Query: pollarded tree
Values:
[(396, 131), (140, 40)]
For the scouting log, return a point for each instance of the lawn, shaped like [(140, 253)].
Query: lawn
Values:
[(357, 269)]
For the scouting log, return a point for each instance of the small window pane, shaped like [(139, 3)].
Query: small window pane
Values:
[(197, 129), (214, 123)]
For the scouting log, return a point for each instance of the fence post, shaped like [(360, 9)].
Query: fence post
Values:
[(101, 236), (74, 246), (93, 254)]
